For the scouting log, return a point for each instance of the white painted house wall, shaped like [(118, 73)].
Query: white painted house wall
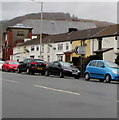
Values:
[(48, 54), (108, 42)]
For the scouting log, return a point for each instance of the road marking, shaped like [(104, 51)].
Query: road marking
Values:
[(58, 90), (117, 101), (10, 80)]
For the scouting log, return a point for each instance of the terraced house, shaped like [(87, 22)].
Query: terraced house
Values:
[(103, 41)]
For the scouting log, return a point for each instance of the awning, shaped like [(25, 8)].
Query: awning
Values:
[(69, 52), (103, 50)]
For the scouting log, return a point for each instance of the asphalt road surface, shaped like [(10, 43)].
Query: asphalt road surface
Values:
[(35, 96)]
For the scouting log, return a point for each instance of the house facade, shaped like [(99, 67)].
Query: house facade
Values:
[(103, 41), (14, 35), (52, 48)]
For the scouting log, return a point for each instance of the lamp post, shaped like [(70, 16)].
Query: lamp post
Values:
[(41, 25), (41, 28)]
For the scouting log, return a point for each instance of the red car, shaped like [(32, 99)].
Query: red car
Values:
[(10, 65)]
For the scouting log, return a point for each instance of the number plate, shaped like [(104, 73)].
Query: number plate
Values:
[(75, 73), (39, 68)]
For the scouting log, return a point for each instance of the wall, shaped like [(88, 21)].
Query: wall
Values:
[(52, 53), (78, 43), (109, 56)]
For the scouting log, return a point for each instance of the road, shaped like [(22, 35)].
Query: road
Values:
[(35, 96)]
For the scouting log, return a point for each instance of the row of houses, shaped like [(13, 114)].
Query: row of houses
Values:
[(103, 41), (21, 32)]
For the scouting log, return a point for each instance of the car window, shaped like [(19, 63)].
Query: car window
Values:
[(27, 61), (55, 64), (38, 61), (50, 64), (12, 62), (66, 64), (92, 63), (100, 64), (112, 65)]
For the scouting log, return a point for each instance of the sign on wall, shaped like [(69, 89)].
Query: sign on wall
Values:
[(80, 50)]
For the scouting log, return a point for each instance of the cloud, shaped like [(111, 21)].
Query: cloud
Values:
[(106, 11)]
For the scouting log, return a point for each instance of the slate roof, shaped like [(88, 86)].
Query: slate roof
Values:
[(75, 35), (20, 26), (112, 30), (85, 34), (56, 26)]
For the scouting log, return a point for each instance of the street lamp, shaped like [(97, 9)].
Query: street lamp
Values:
[(41, 25)]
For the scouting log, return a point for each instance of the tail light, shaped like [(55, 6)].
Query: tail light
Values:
[(33, 63), (45, 64)]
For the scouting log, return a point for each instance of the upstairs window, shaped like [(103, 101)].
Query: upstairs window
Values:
[(67, 46), (37, 48), (32, 48), (60, 46)]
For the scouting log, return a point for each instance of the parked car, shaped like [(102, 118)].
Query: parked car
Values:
[(1, 63), (102, 70), (10, 65), (62, 69), (31, 66)]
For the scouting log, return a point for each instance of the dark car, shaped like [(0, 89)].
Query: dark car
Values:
[(31, 66), (62, 69)]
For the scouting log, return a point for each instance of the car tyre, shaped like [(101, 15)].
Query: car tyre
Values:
[(28, 70), (101, 80), (46, 73), (108, 78), (61, 74), (32, 73), (87, 76), (18, 70), (77, 77), (43, 73)]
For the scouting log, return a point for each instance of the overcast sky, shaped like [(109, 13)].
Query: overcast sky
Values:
[(105, 11)]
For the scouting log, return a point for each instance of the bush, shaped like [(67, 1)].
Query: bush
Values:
[(93, 57)]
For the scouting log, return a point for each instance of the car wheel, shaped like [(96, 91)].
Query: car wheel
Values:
[(32, 73), (108, 78), (28, 71), (61, 74), (43, 73), (87, 77), (77, 77), (46, 73), (101, 80), (18, 70)]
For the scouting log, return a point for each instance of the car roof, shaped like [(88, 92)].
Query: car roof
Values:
[(11, 60), (98, 60)]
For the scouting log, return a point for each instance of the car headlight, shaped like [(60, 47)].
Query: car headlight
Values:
[(67, 70), (115, 72)]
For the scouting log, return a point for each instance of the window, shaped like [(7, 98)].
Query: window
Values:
[(20, 33), (43, 48), (32, 56), (32, 48), (67, 46), (56, 64), (60, 46), (100, 64), (92, 63), (37, 48), (48, 48)]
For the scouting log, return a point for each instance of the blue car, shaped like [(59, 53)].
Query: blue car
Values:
[(102, 70)]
